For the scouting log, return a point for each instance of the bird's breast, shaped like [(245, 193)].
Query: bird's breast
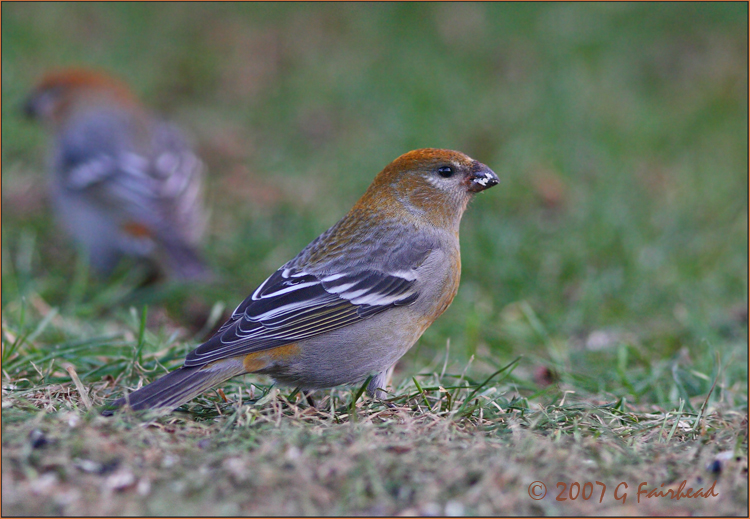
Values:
[(440, 276)]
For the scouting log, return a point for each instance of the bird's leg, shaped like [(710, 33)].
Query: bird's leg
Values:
[(309, 398), (379, 382)]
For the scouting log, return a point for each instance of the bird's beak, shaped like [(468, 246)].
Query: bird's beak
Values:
[(29, 108), (42, 104), (481, 178)]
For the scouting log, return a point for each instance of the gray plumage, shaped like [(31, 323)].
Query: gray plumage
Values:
[(351, 303), (123, 182)]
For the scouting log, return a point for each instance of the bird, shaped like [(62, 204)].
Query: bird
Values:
[(124, 182), (355, 299)]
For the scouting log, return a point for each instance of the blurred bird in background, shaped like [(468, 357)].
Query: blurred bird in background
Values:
[(355, 299), (124, 183)]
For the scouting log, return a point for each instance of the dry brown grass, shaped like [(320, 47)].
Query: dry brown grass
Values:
[(274, 456)]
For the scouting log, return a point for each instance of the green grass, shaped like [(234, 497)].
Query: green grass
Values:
[(607, 273)]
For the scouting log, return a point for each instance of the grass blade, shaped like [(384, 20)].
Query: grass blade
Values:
[(676, 422)]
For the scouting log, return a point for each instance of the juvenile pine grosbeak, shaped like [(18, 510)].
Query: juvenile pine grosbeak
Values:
[(356, 298), (123, 182)]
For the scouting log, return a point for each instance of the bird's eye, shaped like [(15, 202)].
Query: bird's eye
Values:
[(445, 171)]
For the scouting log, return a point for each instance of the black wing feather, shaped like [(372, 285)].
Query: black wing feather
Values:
[(292, 305)]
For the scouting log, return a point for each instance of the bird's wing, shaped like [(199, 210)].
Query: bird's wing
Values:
[(156, 182), (292, 305), (98, 145), (103, 148)]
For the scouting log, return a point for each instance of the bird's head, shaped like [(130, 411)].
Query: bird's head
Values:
[(432, 184), (61, 92)]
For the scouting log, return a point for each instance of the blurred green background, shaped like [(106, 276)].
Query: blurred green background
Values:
[(614, 251)]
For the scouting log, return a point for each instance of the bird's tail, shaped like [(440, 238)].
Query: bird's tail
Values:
[(185, 262), (181, 385)]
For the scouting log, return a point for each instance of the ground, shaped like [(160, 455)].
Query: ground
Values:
[(598, 342)]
